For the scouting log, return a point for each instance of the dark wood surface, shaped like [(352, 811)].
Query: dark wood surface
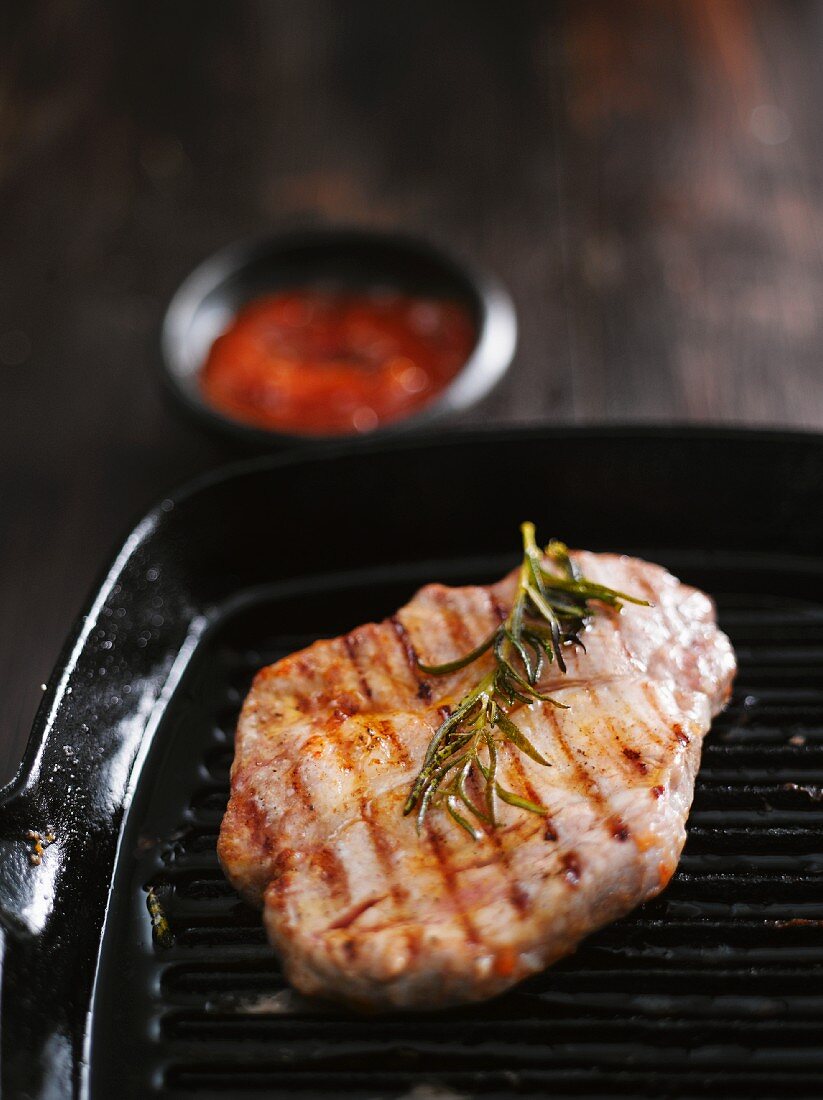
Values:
[(645, 176)]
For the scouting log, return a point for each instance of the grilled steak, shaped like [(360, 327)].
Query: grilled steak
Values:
[(364, 909)]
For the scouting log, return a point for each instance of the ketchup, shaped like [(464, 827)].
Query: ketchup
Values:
[(319, 362)]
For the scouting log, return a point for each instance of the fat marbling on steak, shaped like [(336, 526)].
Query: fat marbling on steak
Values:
[(361, 907)]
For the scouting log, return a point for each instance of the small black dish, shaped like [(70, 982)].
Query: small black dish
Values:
[(208, 299)]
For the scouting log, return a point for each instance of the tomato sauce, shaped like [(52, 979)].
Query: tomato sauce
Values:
[(318, 362)]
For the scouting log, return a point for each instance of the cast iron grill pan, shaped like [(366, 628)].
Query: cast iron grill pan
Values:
[(712, 989)]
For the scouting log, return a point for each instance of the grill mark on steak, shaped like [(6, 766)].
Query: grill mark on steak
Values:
[(616, 826), (648, 730), (283, 864), (348, 918), (449, 877), (332, 869), (377, 835), (306, 668), (344, 755), (386, 728), (406, 644), (380, 655), (674, 729), (399, 894), (454, 623), (351, 653), (412, 659), (637, 721), (635, 758), (424, 688), (518, 898), (524, 781)]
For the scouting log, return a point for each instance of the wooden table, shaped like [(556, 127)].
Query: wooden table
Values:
[(645, 176)]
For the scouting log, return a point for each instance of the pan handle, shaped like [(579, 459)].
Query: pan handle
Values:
[(37, 1047), (27, 868)]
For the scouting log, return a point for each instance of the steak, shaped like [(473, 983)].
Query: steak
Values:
[(364, 908)]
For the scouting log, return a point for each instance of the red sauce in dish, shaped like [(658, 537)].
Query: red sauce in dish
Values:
[(327, 363)]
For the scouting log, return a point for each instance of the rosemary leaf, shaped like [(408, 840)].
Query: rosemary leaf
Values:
[(521, 803), (551, 605), (461, 662), (518, 738), (452, 805)]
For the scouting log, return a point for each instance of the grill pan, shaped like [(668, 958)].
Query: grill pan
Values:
[(130, 967)]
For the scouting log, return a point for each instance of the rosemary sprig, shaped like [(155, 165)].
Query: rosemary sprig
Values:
[(551, 605)]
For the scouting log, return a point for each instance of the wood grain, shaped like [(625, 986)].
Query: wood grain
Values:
[(646, 177)]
